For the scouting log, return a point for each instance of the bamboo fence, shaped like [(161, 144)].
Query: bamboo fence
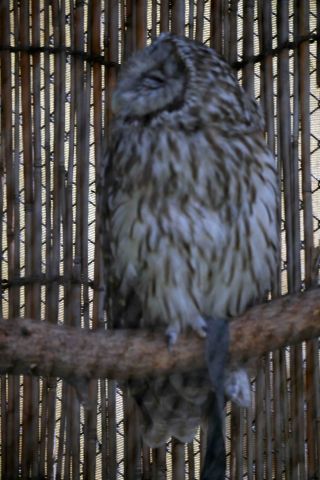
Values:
[(59, 64)]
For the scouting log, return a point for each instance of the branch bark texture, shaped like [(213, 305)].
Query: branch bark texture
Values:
[(40, 348)]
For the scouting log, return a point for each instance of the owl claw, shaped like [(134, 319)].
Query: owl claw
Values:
[(172, 336), (201, 327), (237, 387)]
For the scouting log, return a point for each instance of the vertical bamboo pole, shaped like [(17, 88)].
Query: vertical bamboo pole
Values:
[(159, 463), (259, 421), (312, 346), (313, 408), (265, 34), (273, 431), (295, 167), (203, 443), (10, 403), (162, 462), (141, 23), (111, 55), (178, 17), (283, 368), (84, 114), (67, 231), (164, 16), (248, 69), (132, 438), (284, 133), (279, 418), (30, 391), (200, 20), (109, 465), (3, 380), (153, 475), (268, 418), (216, 22), (130, 27), (104, 430), (3, 402), (80, 265), (249, 446), (37, 217), (154, 16), (47, 432), (236, 468), (121, 26), (304, 93), (297, 412), (11, 456), (14, 303), (297, 352), (97, 317), (191, 19), (191, 462), (90, 408), (146, 465), (226, 29), (178, 460), (58, 14), (233, 38)]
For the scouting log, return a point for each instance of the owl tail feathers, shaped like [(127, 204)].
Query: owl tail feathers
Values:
[(156, 435), (217, 347), (171, 405)]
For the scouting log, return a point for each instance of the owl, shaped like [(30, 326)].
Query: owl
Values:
[(190, 225)]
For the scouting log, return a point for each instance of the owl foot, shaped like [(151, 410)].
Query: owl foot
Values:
[(237, 387), (172, 334), (200, 327)]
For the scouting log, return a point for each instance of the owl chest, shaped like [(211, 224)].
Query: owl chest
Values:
[(193, 254), (169, 243)]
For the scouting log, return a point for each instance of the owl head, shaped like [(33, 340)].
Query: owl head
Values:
[(177, 81), (153, 80)]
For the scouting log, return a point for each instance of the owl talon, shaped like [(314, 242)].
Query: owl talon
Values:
[(201, 327), (172, 336), (202, 332), (237, 387)]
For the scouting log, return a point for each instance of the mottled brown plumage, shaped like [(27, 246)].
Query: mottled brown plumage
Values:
[(191, 212)]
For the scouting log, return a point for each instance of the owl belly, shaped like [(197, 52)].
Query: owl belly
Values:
[(190, 263)]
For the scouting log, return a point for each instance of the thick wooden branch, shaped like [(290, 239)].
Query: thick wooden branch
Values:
[(40, 348)]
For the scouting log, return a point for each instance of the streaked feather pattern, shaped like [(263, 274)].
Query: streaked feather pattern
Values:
[(190, 202)]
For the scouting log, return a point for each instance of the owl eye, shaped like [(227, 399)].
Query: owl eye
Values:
[(153, 80)]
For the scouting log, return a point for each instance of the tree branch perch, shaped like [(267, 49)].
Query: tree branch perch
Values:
[(40, 348)]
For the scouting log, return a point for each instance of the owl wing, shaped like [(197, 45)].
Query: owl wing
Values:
[(122, 311)]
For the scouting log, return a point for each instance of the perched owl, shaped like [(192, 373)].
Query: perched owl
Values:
[(190, 232)]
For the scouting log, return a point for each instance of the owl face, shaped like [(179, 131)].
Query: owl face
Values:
[(152, 80)]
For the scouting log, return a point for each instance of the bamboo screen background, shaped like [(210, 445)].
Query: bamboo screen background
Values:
[(58, 65)]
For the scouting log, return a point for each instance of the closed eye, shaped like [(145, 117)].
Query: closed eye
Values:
[(153, 80)]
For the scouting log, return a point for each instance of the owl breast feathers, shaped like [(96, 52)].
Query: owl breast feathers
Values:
[(190, 198)]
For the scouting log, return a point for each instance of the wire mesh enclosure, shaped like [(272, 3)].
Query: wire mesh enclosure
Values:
[(59, 63)]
